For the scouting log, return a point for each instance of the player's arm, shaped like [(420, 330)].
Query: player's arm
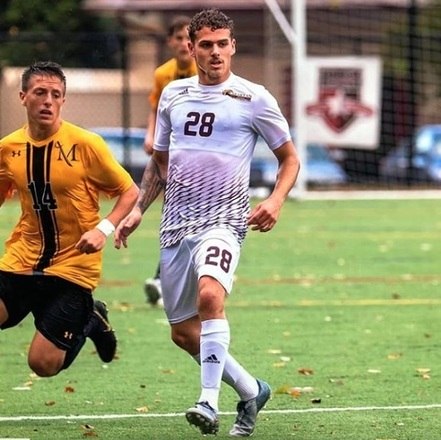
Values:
[(6, 189), (265, 215), (95, 239), (153, 180), (152, 183), (151, 120), (150, 134), (289, 167), (123, 205)]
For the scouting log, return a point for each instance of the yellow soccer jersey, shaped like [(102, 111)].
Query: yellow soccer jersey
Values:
[(58, 182), (169, 71)]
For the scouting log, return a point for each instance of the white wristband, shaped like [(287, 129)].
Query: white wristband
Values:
[(106, 227)]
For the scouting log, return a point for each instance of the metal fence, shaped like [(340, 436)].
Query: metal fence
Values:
[(110, 86)]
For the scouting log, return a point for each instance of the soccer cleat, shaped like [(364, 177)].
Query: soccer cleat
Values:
[(153, 291), (247, 411), (204, 417), (101, 333)]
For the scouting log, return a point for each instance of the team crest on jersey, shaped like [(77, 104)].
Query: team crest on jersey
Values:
[(68, 156), (236, 95), (339, 102)]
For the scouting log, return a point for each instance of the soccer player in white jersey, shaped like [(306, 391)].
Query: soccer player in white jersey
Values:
[(206, 132)]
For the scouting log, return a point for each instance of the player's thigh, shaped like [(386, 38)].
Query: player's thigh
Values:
[(217, 256), (15, 299), (63, 312), (178, 282)]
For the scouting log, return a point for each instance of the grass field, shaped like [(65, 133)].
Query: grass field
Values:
[(338, 309)]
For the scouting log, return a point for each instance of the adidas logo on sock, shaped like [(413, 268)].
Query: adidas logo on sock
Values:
[(212, 359)]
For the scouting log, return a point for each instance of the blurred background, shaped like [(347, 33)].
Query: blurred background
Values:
[(358, 80)]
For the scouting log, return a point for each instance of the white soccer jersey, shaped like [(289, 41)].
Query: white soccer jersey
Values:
[(210, 133)]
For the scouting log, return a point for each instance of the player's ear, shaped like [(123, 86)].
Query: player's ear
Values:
[(233, 46), (22, 95), (191, 48)]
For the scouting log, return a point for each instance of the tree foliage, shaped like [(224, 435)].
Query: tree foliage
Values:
[(59, 30)]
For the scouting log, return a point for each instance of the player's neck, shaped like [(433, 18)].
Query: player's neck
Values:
[(39, 132)]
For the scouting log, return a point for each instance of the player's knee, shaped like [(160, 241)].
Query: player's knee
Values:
[(186, 341), (3, 313), (210, 304), (43, 366)]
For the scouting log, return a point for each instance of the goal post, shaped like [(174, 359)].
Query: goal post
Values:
[(295, 33)]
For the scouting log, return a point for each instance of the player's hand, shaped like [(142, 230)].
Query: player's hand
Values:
[(148, 145), (91, 241), (126, 227), (264, 216)]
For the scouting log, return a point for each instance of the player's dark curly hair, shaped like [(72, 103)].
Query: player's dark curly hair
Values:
[(45, 68), (211, 18)]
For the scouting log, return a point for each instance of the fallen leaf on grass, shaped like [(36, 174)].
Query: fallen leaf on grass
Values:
[(336, 381), (279, 364), (424, 373), (305, 371), (274, 351), (394, 356), (89, 431), (142, 409), (69, 389), (124, 306), (293, 391)]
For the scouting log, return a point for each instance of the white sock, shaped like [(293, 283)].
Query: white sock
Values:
[(237, 377), (215, 340)]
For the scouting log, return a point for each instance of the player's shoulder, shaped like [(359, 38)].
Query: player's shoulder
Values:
[(178, 86), (17, 136), (245, 90), (166, 69), (81, 136), (78, 131), (243, 84)]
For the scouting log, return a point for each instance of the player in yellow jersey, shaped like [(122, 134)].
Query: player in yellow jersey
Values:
[(181, 65), (53, 257)]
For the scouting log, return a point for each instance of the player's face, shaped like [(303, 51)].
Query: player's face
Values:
[(43, 100), (213, 50), (178, 44)]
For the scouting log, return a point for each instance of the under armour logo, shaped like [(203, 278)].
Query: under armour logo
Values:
[(16, 153), (212, 359)]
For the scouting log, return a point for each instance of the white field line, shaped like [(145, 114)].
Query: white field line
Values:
[(275, 411), (433, 194)]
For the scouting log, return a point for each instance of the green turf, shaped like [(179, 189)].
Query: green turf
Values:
[(347, 291)]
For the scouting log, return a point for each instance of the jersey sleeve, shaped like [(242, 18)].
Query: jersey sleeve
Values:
[(269, 122), (6, 184), (163, 123), (103, 170)]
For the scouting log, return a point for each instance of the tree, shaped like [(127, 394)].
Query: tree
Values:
[(59, 30)]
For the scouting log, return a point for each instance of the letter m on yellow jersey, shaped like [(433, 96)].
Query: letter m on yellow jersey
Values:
[(69, 155)]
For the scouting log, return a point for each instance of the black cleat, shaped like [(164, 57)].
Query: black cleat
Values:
[(102, 334)]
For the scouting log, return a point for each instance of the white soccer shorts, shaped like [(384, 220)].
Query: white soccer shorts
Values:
[(214, 252)]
